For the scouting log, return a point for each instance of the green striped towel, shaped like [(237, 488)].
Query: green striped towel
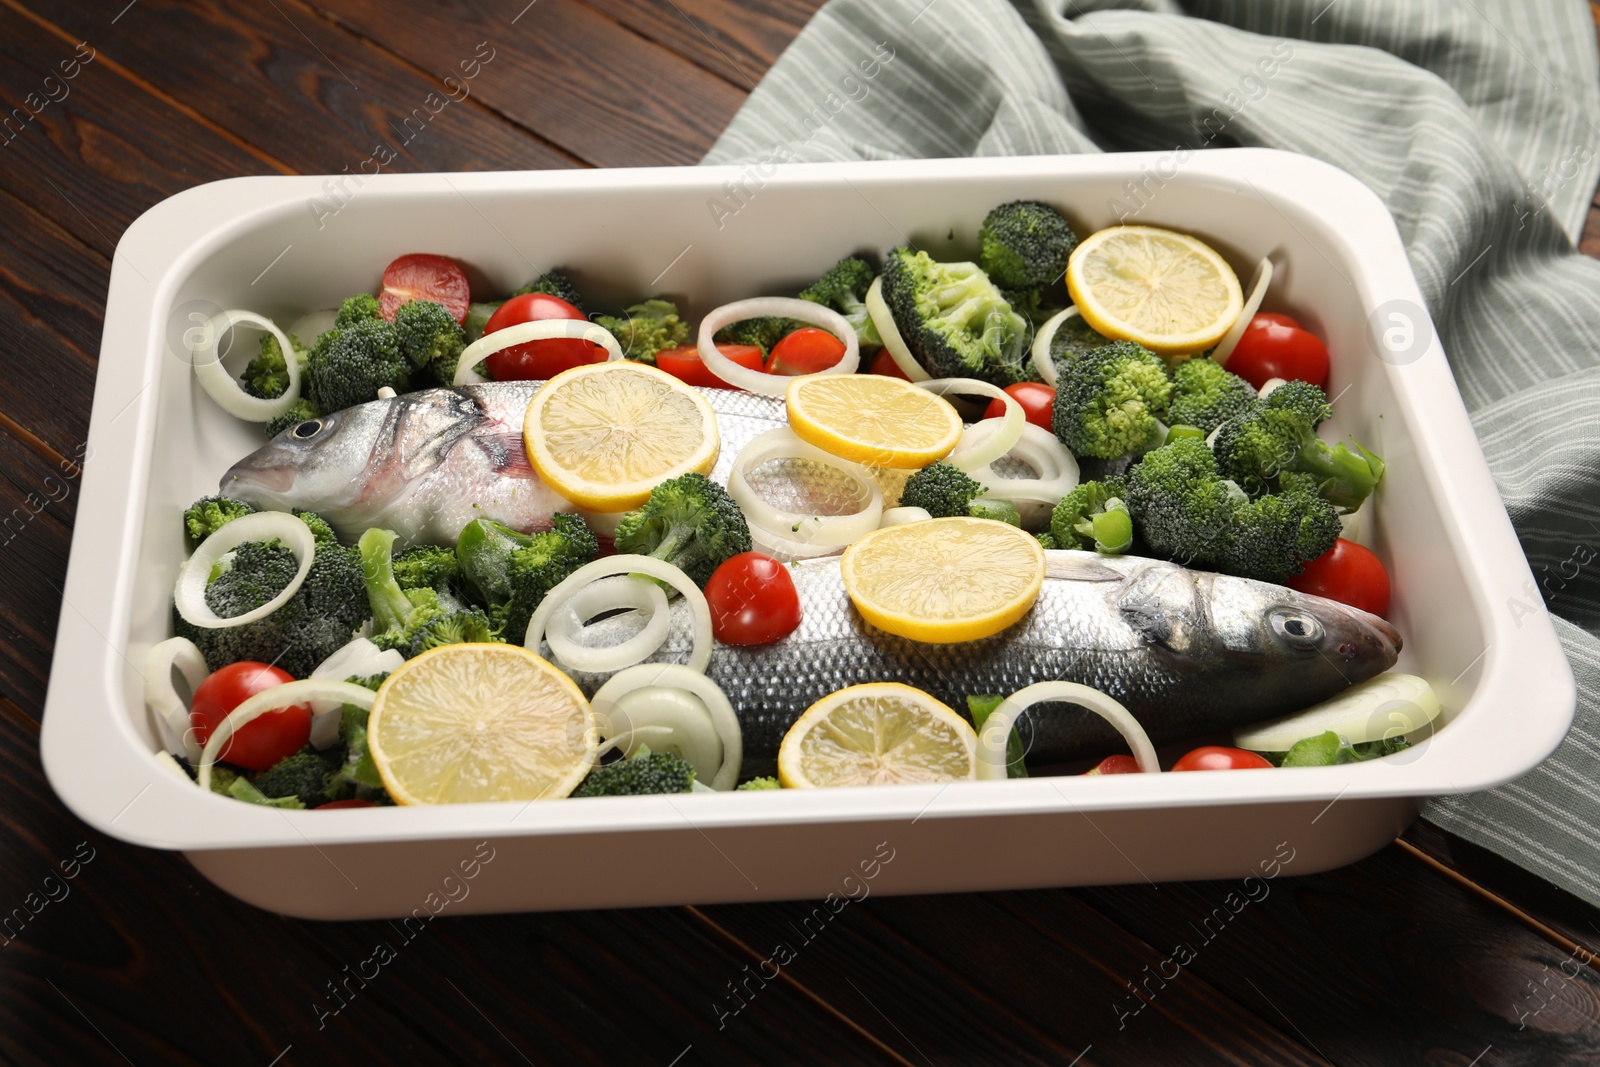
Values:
[(1474, 120)]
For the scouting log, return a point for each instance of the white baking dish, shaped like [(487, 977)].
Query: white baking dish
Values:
[(285, 245)]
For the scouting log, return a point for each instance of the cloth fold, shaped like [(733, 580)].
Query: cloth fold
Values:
[(1476, 121)]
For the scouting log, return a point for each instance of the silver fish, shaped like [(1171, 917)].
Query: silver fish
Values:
[(1188, 652), (425, 464)]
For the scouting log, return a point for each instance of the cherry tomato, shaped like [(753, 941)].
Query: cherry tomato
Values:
[(1115, 765), (1348, 573), (352, 803), (1219, 758), (262, 741), (753, 600), (805, 351), (420, 276), (1038, 401), (883, 363), (534, 361), (685, 363), (1276, 346)]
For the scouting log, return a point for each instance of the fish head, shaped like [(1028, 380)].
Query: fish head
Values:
[(316, 465), (1289, 634)]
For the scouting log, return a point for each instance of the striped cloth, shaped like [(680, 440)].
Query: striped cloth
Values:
[(1474, 120)]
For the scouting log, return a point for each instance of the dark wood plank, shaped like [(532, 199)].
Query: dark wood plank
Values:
[(37, 503), (735, 41), (308, 94), (562, 69)]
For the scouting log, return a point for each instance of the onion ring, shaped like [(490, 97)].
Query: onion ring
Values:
[(608, 594), (781, 306), (889, 333), (900, 516), (1040, 449), (161, 696), (824, 532), (997, 727), (279, 696), (625, 563), (224, 388), (1041, 345), (612, 695), (189, 595), (976, 451), (522, 332), (1258, 289)]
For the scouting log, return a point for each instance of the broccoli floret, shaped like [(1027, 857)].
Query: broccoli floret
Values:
[(412, 620), (1204, 395), (647, 328), (430, 339), (763, 332), (756, 784), (554, 283), (209, 514), (358, 768), (509, 573), (1073, 338), (311, 626), (359, 308), (370, 681), (1047, 540), (1024, 245), (942, 490), (300, 411), (305, 775), (267, 374), (429, 567), (1279, 436), (954, 320), (1275, 536), (351, 363), (1110, 401), (641, 774), (242, 788), (1094, 516), (321, 532), (997, 510), (689, 521), (844, 288)]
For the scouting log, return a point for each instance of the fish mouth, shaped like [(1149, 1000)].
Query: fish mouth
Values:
[(1387, 631), (275, 479)]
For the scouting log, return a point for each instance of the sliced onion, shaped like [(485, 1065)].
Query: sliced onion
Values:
[(986, 440), (1040, 449), (889, 333), (1269, 385), (312, 325), (360, 658), (1041, 345), (1258, 289), (189, 595), (608, 594), (279, 696), (901, 516), (167, 763), (224, 388), (810, 534), (997, 728), (784, 307), (624, 563), (162, 697), (538, 330), (646, 696)]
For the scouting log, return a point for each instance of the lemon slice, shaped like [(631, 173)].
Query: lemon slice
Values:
[(881, 733), (944, 580), (603, 435), (872, 419), (477, 722), (1167, 291)]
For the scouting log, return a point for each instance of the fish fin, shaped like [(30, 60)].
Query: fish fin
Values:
[(1076, 566), (510, 454)]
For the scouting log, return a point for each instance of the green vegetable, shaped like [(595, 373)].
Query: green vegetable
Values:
[(844, 289), (242, 789), (1047, 540), (943, 491), (1279, 435), (1073, 338), (1110, 401), (209, 514), (478, 316), (643, 773), (554, 283), (998, 510), (312, 625), (358, 767), (1178, 432), (298, 412), (267, 374), (1094, 516), (1275, 536), (1024, 247), (363, 307), (350, 363), (955, 320), (647, 328), (413, 621), (1204, 395), (509, 573), (689, 521), (1328, 749), (430, 339), (755, 784), (763, 332), (980, 708), (305, 775)]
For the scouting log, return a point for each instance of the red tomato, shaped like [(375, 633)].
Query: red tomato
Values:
[(685, 363), (262, 741), (1348, 573), (534, 361), (883, 363), (1038, 402), (420, 276), (753, 600), (805, 351), (1115, 765), (1219, 758), (1276, 346), (353, 803)]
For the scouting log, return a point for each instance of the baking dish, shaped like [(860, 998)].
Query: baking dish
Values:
[(283, 245)]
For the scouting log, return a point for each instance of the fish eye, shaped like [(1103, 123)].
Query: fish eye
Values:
[(1296, 628), (305, 430)]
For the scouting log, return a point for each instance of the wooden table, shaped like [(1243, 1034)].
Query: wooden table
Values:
[(1433, 951)]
